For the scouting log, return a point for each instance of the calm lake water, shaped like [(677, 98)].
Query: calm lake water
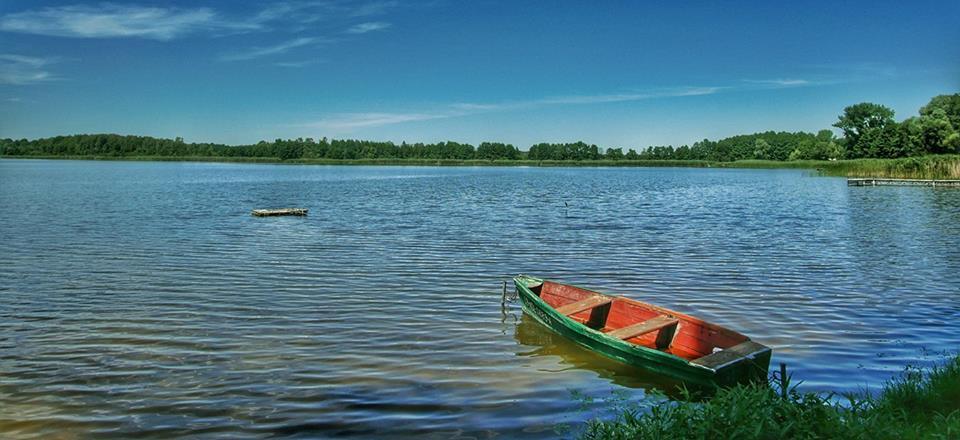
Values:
[(142, 299)]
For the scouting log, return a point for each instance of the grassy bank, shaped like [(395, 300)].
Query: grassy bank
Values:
[(913, 406), (922, 167)]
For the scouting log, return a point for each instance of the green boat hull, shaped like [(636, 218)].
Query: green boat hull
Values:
[(750, 370)]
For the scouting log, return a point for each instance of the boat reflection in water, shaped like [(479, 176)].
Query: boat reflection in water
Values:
[(543, 342)]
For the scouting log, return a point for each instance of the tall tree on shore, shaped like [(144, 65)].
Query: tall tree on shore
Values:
[(949, 104), (858, 120), (939, 124)]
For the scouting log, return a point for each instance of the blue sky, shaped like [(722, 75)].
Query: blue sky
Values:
[(619, 73)]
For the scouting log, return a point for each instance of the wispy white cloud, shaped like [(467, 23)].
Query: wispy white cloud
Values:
[(262, 51), (783, 82), (850, 72), (312, 11), (351, 121), (161, 23), (111, 20), (473, 107), (283, 10), (116, 21), (296, 64), (13, 99), (371, 8), (625, 97), (816, 75), (346, 122), (363, 28), (22, 70)]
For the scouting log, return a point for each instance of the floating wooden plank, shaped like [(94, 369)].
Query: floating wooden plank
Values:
[(283, 211), (586, 304), (902, 182), (644, 327)]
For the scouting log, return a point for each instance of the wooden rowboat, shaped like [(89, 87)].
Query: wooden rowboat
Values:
[(644, 335)]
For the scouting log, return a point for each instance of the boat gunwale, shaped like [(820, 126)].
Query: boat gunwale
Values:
[(683, 317)]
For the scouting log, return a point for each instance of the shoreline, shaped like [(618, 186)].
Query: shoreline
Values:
[(918, 403), (944, 167), (387, 161)]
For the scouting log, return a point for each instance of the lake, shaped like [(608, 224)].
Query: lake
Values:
[(141, 299)]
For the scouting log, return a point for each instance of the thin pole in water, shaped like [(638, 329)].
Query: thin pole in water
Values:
[(784, 381), (503, 298)]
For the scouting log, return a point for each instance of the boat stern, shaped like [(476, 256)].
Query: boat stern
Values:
[(743, 363)]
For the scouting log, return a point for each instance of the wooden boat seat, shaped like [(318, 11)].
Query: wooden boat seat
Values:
[(665, 325), (585, 304), (746, 349)]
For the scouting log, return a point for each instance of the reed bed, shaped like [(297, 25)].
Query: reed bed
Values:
[(922, 167)]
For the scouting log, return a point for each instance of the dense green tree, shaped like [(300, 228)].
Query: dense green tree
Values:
[(569, 151), (496, 150), (861, 120), (934, 132), (823, 146), (827, 147), (948, 104), (614, 153), (885, 141), (662, 152), (761, 149)]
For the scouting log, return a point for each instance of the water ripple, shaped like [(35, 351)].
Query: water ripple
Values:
[(142, 299)]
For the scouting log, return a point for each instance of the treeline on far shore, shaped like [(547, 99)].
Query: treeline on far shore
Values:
[(868, 131)]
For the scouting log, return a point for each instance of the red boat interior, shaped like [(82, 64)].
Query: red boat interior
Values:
[(638, 322)]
